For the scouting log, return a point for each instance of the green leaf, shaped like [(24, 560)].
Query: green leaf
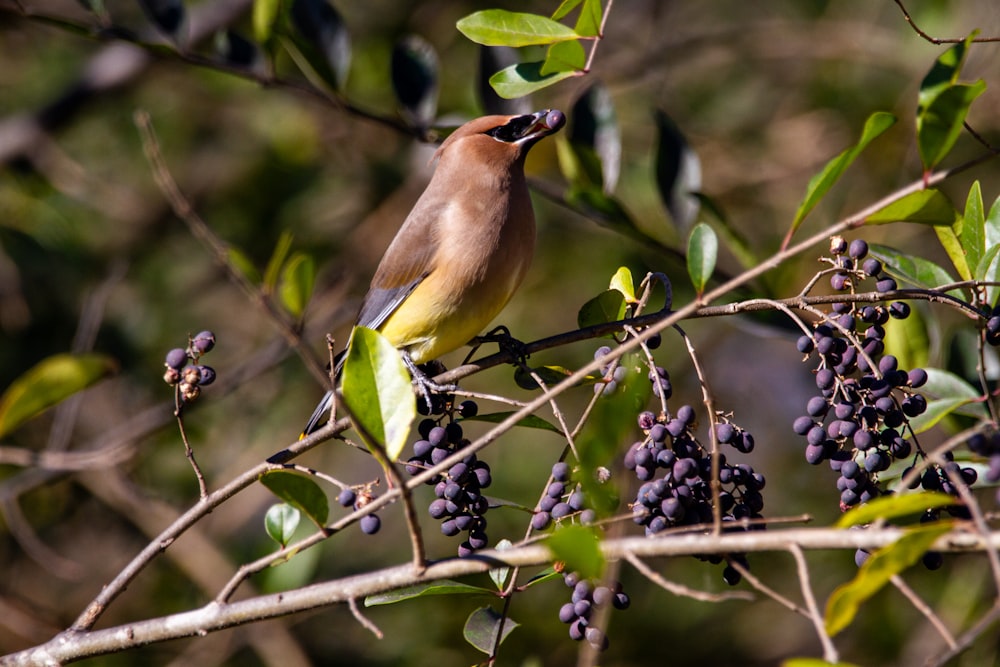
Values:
[(588, 24), (987, 266), (944, 72), (911, 269), (500, 575), (894, 506), (415, 80), (377, 391), (929, 207), (529, 421), (273, 269), (939, 126), (991, 271), (622, 282), (300, 492), (525, 78), (943, 104), (608, 306), (297, 282), (265, 15), (439, 587), (678, 172), (579, 548), (847, 599), (563, 57), (242, 265), (814, 662), (550, 375), (482, 627), (564, 8), (498, 27), (703, 249), (280, 522), (48, 382), (820, 184), (973, 230)]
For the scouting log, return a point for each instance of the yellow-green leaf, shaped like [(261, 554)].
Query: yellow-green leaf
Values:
[(847, 599), (277, 260), (563, 57), (265, 15), (297, 282), (498, 27), (622, 282), (48, 382), (891, 507)]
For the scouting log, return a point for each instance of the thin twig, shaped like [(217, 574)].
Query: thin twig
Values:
[(759, 585), (352, 603), (966, 639), (680, 589), (924, 609), (706, 395), (938, 40), (829, 650), (188, 450)]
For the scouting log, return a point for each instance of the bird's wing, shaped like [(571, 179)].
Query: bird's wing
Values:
[(408, 260)]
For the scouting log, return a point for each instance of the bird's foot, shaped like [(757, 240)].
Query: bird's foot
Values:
[(507, 343), (435, 395)]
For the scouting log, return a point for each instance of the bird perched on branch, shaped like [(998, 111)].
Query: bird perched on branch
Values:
[(464, 248)]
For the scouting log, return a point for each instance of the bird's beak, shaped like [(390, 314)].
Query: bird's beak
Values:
[(539, 124)]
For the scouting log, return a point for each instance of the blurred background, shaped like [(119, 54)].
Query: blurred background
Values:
[(92, 258)]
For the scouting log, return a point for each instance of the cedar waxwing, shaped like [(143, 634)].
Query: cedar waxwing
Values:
[(463, 249)]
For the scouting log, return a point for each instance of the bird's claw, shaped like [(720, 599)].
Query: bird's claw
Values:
[(506, 342)]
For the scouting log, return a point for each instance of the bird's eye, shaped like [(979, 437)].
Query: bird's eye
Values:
[(513, 129)]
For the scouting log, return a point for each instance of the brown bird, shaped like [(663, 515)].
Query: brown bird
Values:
[(464, 248)]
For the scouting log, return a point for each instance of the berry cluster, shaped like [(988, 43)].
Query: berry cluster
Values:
[(682, 494), (562, 499), (586, 598), (183, 369), (858, 420), (459, 501), (348, 497), (676, 473)]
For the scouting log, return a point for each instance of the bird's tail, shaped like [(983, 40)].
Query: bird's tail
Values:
[(324, 406), (316, 420)]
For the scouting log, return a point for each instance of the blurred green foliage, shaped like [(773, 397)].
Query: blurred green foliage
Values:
[(92, 259)]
